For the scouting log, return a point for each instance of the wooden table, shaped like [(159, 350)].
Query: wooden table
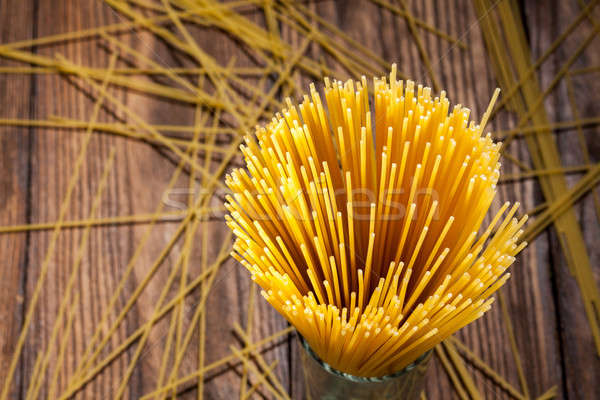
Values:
[(542, 298)]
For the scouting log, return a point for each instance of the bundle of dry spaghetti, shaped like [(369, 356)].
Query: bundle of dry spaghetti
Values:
[(361, 225)]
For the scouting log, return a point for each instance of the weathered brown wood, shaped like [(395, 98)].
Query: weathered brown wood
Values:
[(579, 362), (53, 160), (15, 154), (551, 331)]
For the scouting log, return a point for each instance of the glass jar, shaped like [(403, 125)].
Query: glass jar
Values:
[(326, 383)]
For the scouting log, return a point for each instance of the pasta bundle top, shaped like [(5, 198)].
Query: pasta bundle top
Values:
[(361, 221)]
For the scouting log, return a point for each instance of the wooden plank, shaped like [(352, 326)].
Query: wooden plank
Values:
[(15, 144), (53, 158), (579, 361)]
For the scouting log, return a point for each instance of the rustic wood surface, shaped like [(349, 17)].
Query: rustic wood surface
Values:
[(543, 300)]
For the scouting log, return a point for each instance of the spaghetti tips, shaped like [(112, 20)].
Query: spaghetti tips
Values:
[(359, 218)]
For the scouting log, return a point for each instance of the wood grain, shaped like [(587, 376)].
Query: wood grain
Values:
[(580, 365), (544, 304), (15, 206)]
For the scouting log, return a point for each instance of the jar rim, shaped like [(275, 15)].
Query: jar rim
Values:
[(360, 379)]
